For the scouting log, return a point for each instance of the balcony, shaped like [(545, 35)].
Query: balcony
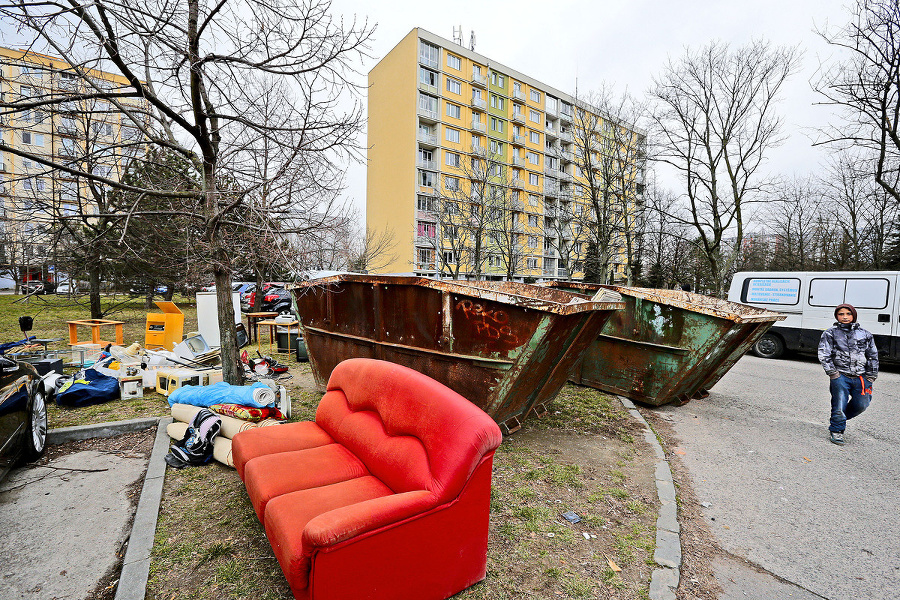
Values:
[(428, 88), (66, 129), (518, 117), (431, 165), (551, 132), (518, 94), (479, 103), (427, 139), (427, 114), (478, 126), (551, 111), (519, 140), (479, 150), (518, 161), (479, 80), (551, 189), (424, 240), (429, 62), (550, 211), (566, 115), (566, 136), (425, 189), (515, 204), (517, 183)]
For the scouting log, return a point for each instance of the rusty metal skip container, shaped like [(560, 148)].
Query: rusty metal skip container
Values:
[(507, 347), (667, 345)]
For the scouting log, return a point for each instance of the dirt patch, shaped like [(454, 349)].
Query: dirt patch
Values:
[(698, 545)]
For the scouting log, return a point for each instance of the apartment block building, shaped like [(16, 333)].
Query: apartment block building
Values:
[(473, 166), (87, 135)]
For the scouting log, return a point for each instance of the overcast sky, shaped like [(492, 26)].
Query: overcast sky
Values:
[(622, 42)]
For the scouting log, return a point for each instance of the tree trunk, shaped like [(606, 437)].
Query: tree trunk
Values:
[(96, 311)]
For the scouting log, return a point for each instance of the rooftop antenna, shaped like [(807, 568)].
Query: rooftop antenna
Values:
[(472, 40), (457, 35)]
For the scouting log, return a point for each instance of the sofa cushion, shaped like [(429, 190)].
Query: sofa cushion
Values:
[(272, 475), (410, 431), (260, 441), (286, 517)]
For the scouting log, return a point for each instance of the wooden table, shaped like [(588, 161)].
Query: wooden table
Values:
[(273, 324), (95, 325), (252, 318)]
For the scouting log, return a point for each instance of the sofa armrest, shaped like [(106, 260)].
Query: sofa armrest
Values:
[(346, 522)]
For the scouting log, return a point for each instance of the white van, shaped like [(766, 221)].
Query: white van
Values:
[(808, 298)]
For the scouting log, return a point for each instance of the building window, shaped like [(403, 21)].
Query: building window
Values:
[(496, 147), (425, 203), (453, 86), (426, 178), (533, 222), (535, 96), (426, 229), (449, 257), (453, 62), (425, 258), (498, 102), (494, 260), (533, 179), (496, 125), (429, 104), (25, 90), (429, 54), (534, 116), (33, 139), (498, 80), (451, 183), (533, 199), (535, 137), (533, 241), (452, 135), (532, 263), (428, 77), (452, 159), (533, 158), (453, 110)]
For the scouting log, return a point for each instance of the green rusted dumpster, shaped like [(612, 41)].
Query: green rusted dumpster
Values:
[(667, 345), (507, 347)]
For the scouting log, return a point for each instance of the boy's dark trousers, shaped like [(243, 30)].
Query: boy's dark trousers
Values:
[(850, 396)]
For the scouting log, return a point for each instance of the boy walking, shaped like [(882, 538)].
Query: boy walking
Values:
[(849, 356)]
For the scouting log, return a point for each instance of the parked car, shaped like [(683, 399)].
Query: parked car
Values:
[(248, 296), (23, 414), (66, 288), (38, 287), (277, 300)]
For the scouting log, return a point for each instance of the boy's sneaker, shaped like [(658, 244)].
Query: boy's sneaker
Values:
[(837, 438)]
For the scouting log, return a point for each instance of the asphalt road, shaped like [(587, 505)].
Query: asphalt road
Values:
[(781, 495)]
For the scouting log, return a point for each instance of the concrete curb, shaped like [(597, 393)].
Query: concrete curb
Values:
[(663, 581), (136, 566), (63, 435)]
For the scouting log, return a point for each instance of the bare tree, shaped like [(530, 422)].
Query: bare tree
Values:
[(474, 224), (716, 119), (867, 87), (793, 219), (372, 250), (193, 77), (610, 155)]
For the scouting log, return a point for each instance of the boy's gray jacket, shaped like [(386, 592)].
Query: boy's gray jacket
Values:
[(849, 349)]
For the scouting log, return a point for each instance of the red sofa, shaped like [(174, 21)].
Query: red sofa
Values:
[(385, 495)]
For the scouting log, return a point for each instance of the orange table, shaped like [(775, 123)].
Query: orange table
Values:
[(252, 318), (95, 325), (272, 324)]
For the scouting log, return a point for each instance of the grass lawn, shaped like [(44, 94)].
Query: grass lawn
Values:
[(585, 455)]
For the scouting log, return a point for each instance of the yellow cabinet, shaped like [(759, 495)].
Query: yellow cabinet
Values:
[(166, 329)]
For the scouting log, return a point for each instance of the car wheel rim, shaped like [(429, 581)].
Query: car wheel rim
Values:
[(766, 346), (39, 422)]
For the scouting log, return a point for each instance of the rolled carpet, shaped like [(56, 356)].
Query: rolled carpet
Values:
[(230, 425), (221, 445)]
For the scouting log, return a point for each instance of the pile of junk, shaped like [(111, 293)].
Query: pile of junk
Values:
[(207, 410)]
